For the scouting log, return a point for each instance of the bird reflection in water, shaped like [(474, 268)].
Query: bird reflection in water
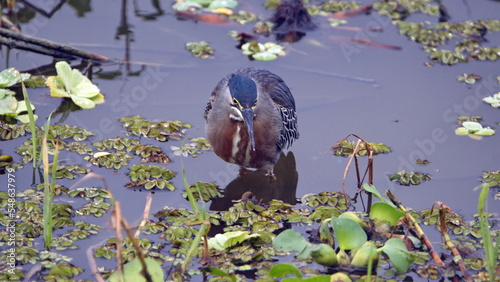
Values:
[(255, 185), (291, 21)]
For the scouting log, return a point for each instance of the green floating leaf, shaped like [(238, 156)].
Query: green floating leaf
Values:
[(348, 233), (11, 76), (200, 49), (284, 269), (362, 256), (292, 241), (372, 189), (473, 128), (397, 252), (263, 52), (228, 240), (384, 212), (324, 254), (494, 100), (409, 178), (215, 4), (71, 83), (132, 272)]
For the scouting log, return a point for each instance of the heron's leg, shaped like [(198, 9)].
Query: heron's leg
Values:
[(271, 175)]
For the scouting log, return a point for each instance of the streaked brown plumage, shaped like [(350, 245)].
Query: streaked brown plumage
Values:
[(251, 118)]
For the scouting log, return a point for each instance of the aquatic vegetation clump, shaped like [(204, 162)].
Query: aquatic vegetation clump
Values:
[(192, 148), (161, 131), (346, 149), (110, 160), (409, 178), (204, 191), (12, 131), (474, 130), (150, 176), (469, 37), (200, 49), (262, 51)]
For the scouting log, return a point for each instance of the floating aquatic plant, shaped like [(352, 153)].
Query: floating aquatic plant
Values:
[(192, 148), (10, 107), (346, 148), (263, 52), (469, 78), (71, 83), (200, 49), (150, 176), (161, 131), (493, 100), (474, 129), (409, 178)]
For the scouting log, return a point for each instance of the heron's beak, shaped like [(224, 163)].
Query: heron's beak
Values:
[(248, 118)]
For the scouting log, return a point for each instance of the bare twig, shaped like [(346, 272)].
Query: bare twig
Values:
[(147, 209), (46, 47), (93, 264)]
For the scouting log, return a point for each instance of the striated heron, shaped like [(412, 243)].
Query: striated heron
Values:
[(251, 118)]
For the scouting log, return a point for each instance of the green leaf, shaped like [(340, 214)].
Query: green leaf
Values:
[(265, 56), (284, 269), (348, 233), (11, 76), (372, 189), (229, 240), (73, 84), (486, 131), (472, 126), (67, 75), (397, 252), (385, 212), (291, 240), (4, 92), (83, 103), (86, 89), (223, 4), (56, 86), (184, 6), (8, 105), (461, 131), (132, 271)]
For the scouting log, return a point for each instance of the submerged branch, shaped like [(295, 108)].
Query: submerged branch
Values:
[(45, 47)]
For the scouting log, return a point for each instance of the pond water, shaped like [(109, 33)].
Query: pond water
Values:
[(382, 95)]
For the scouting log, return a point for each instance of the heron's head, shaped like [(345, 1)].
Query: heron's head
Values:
[(243, 99)]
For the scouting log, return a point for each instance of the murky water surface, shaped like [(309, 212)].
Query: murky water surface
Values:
[(381, 95)]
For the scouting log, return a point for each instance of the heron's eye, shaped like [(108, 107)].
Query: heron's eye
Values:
[(236, 103)]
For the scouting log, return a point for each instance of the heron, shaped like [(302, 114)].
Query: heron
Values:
[(251, 118)]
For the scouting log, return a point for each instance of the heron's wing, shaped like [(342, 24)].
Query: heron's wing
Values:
[(283, 99)]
